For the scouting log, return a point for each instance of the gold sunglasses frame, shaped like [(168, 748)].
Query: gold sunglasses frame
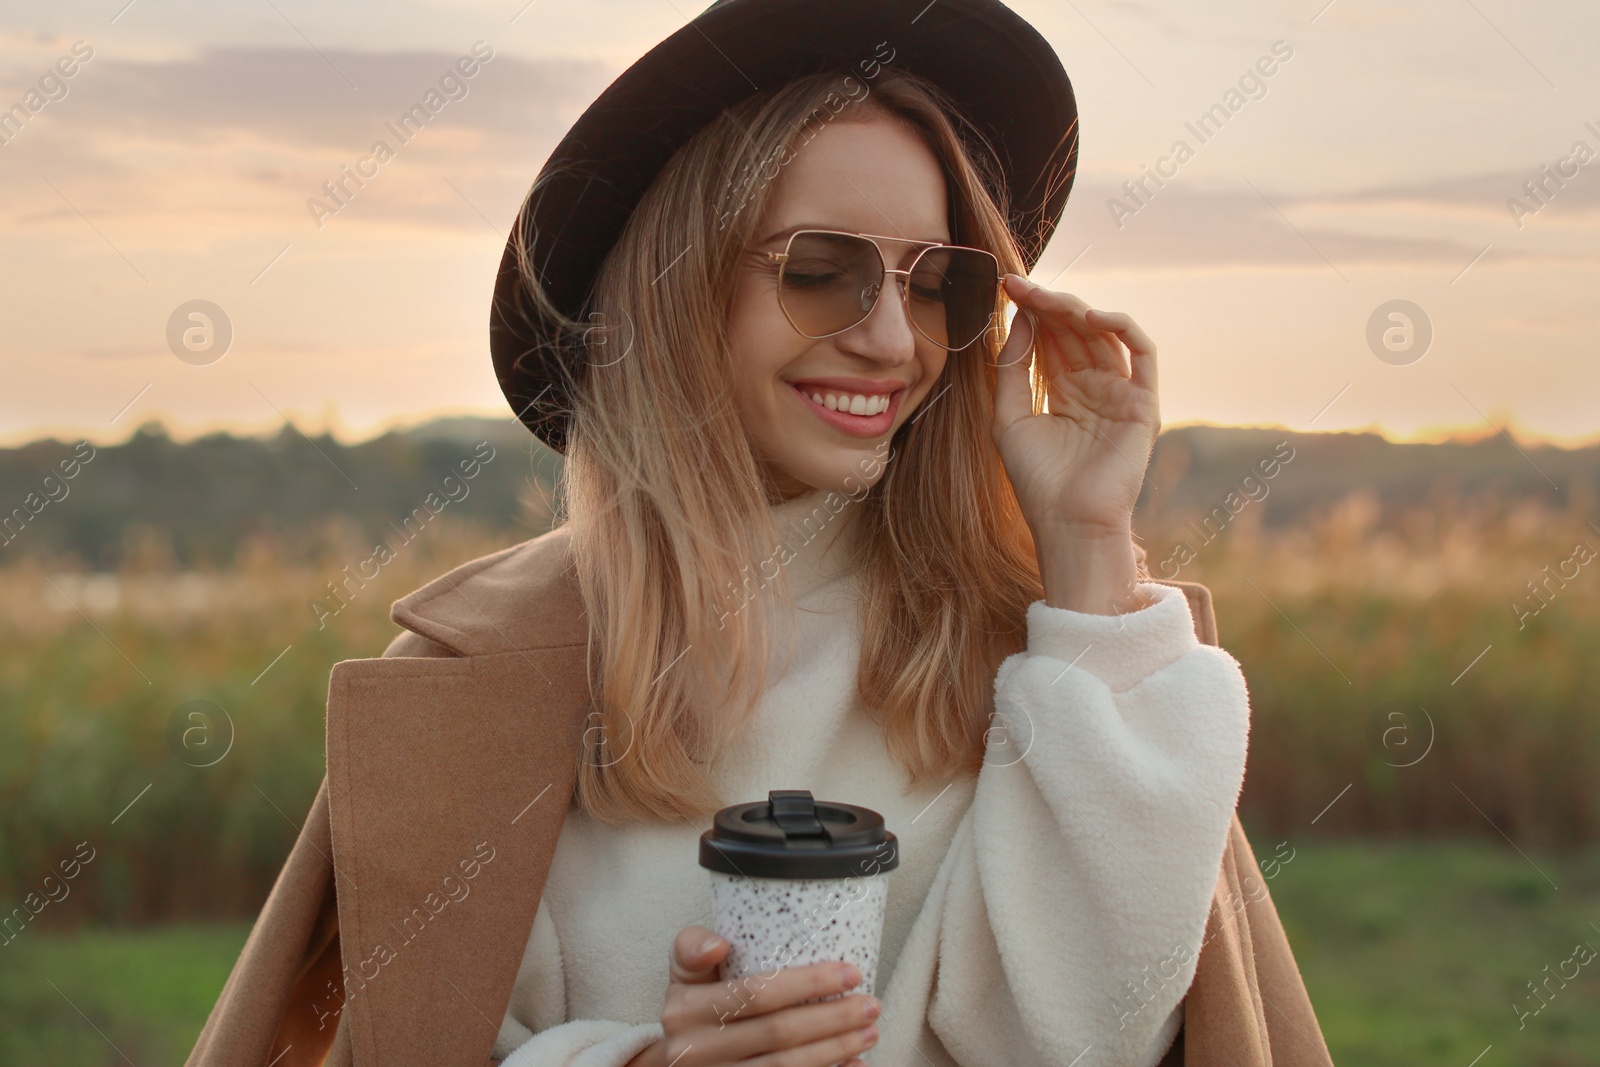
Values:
[(782, 259)]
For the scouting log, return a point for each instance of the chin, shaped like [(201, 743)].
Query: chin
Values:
[(850, 472)]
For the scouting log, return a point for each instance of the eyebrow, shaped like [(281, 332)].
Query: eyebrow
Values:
[(822, 226)]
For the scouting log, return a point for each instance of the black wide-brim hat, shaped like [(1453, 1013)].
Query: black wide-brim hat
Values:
[(1004, 76)]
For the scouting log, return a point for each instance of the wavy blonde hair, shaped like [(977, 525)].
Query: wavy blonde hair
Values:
[(668, 503)]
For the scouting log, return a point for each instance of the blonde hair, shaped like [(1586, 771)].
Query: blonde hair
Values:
[(668, 504)]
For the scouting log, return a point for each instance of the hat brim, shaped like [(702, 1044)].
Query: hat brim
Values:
[(1004, 76)]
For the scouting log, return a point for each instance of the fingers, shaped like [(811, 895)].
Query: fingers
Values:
[(1013, 389), (1141, 350), (1059, 317), (1039, 298), (691, 961), (835, 1048), (819, 1034), (759, 994), (1124, 327), (1019, 339), (745, 1019), (1090, 337)]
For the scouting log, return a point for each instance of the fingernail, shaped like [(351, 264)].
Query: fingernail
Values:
[(848, 975), (708, 944)]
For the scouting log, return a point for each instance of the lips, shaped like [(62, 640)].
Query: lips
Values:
[(854, 425), (838, 384)]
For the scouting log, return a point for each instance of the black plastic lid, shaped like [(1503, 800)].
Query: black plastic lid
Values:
[(791, 835)]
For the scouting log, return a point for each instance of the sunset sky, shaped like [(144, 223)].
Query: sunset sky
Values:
[(1378, 162)]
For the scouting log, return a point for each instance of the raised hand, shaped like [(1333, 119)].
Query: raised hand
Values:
[(1077, 466)]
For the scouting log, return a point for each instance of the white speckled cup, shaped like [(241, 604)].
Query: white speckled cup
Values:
[(797, 881)]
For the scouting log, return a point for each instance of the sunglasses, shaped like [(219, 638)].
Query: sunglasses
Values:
[(829, 281)]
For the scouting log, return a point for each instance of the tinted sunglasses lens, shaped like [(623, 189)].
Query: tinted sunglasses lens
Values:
[(952, 295), (829, 282)]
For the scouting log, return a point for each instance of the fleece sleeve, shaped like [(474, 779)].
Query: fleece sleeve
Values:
[(1075, 894), (532, 1035), (585, 1043)]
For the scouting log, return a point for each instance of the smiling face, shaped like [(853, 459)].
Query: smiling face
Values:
[(876, 176)]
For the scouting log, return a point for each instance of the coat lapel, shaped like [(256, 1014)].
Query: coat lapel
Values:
[(448, 781)]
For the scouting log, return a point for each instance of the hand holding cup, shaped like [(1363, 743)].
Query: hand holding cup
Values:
[(710, 1022)]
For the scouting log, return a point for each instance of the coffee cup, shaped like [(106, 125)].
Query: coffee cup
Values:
[(796, 880)]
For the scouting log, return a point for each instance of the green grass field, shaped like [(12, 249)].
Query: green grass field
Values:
[(111, 996), (1414, 955)]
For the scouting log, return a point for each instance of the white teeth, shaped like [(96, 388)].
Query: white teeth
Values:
[(855, 404)]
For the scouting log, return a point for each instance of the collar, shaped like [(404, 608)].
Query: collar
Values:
[(522, 597)]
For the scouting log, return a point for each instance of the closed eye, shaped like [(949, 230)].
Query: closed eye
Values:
[(809, 280)]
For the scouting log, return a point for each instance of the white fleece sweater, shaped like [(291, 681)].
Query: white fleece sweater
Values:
[(1047, 912)]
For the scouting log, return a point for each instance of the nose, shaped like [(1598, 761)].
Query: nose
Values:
[(886, 335)]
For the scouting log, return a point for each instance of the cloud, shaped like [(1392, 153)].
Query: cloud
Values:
[(1199, 225), (1486, 191), (301, 97), (233, 137)]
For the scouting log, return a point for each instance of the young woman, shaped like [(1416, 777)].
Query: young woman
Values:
[(798, 434), (828, 525)]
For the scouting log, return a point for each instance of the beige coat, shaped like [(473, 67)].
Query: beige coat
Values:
[(450, 763)]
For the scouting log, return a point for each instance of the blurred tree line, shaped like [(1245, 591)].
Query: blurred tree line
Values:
[(202, 499)]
